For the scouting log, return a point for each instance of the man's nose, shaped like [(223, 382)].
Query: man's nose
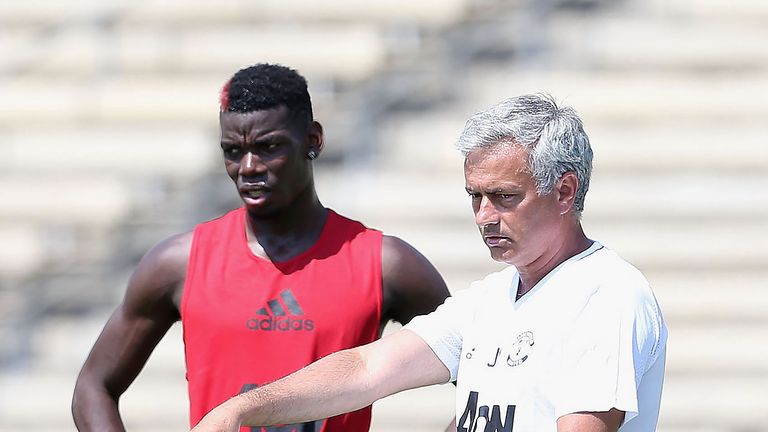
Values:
[(251, 164), (486, 213)]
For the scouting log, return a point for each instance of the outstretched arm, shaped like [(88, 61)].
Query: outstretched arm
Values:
[(132, 332), (341, 382)]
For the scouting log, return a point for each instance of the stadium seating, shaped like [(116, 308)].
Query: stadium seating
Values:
[(108, 142)]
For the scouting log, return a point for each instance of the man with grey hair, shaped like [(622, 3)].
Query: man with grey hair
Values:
[(569, 337)]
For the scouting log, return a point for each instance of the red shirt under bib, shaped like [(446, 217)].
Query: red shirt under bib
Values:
[(248, 321)]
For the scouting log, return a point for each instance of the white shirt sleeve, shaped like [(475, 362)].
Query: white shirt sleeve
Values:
[(613, 343), (443, 329)]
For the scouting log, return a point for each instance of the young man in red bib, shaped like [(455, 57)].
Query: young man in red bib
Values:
[(267, 288)]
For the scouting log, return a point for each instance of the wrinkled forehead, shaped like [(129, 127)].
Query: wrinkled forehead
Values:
[(493, 167), (502, 154)]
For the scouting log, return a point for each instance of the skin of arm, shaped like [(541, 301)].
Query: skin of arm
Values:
[(148, 309), (606, 421), (341, 382), (410, 283)]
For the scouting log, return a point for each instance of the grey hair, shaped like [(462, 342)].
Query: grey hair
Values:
[(553, 136)]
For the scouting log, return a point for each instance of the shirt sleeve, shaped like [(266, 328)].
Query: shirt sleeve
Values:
[(443, 329), (614, 341)]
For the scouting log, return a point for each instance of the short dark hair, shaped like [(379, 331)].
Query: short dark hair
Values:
[(265, 86)]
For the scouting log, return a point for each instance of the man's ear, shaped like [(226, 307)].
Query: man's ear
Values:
[(316, 139), (566, 189)]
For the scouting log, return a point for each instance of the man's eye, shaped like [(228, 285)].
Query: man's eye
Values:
[(231, 151), (506, 196)]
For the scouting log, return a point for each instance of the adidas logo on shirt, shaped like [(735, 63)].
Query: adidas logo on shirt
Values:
[(274, 316)]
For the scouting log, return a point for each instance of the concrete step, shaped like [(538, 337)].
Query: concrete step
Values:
[(745, 11), (702, 296), (23, 251), (227, 12), (382, 197), (52, 249), (157, 400), (630, 97), (665, 148), (633, 42), (656, 147), (425, 13), (406, 142), (676, 196), (56, 335), (161, 404), (134, 101), (686, 245), (96, 200), (148, 100), (701, 402), (131, 152), (388, 196), (341, 51), (717, 349), (47, 12)]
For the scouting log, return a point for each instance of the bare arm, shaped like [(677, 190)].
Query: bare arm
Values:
[(341, 382), (411, 284), (607, 421), (149, 308)]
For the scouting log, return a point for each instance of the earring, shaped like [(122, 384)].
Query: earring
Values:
[(312, 155)]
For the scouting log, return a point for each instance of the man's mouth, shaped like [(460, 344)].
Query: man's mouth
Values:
[(253, 191), (495, 240)]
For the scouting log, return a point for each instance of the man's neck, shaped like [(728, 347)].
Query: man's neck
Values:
[(286, 234), (574, 241)]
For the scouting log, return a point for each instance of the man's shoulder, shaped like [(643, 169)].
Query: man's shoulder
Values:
[(173, 248), (161, 273), (225, 218), (606, 266), (357, 235), (503, 277), (169, 256), (618, 280), (497, 282), (347, 223)]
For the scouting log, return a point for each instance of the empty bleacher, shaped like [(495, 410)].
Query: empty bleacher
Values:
[(108, 142)]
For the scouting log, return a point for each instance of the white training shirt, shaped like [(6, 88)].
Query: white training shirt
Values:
[(588, 337)]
